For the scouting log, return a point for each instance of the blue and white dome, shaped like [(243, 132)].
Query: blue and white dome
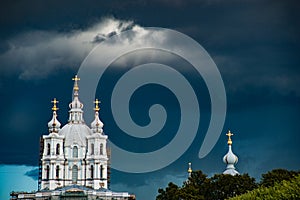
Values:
[(230, 158)]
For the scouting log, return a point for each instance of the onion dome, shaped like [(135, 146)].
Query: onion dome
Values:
[(230, 158), (54, 124), (76, 112), (97, 125)]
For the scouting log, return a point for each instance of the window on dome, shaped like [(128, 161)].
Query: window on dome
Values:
[(47, 172), (92, 149), (74, 174), (57, 172), (75, 152), (57, 149), (48, 149), (92, 171), (101, 149)]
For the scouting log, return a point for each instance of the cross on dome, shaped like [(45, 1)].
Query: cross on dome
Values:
[(54, 101), (97, 105), (54, 124), (76, 79), (229, 134)]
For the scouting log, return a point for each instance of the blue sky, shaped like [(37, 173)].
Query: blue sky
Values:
[(254, 44), (14, 178)]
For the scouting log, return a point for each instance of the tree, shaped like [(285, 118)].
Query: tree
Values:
[(289, 190), (171, 192), (195, 187), (190, 193), (199, 187), (223, 186), (276, 176), (197, 179)]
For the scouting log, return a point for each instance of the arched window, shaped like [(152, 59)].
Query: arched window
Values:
[(74, 174), (47, 172), (101, 149), (75, 152), (57, 149), (57, 172), (48, 149), (101, 171), (92, 149), (92, 171)]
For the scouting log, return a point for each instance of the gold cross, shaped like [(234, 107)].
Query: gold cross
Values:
[(76, 79), (229, 134), (190, 168), (97, 105), (54, 108)]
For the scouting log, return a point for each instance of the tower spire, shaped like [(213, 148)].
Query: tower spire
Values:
[(190, 169), (76, 87), (97, 125), (76, 113), (54, 124), (230, 158)]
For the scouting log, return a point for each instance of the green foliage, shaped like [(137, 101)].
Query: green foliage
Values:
[(276, 184), (195, 187), (276, 176), (225, 186), (199, 187), (171, 192), (190, 193), (288, 190)]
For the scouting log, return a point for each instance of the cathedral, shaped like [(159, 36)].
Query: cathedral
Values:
[(74, 159)]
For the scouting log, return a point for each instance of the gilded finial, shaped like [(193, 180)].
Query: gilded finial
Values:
[(190, 168), (54, 108), (76, 79), (97, 105), (229, 134)]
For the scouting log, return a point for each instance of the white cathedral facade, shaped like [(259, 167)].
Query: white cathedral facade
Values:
[(74, 161), (74, 153)]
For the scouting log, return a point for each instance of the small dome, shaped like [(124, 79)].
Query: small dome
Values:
[(75, 133), (54, 124), (97, 125), (230, 159), (76, 104)]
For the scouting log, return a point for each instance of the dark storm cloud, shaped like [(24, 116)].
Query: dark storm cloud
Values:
[(34, 174), (35, 54)]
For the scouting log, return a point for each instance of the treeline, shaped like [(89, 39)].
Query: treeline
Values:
[(220, 186), (287, 189)]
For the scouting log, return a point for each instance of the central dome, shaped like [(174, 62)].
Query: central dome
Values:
[(75, 134)]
